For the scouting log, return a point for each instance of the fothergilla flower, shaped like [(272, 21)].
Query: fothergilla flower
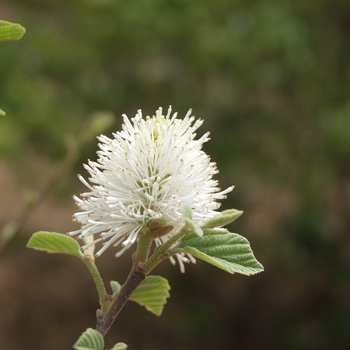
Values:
[(146, 173)]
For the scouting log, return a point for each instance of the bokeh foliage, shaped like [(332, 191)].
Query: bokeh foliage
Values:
[(270, 78)]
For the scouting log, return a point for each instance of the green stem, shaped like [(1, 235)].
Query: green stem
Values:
[(104, 298), (143, 247), (161, 253)]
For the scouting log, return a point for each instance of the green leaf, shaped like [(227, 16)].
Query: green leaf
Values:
[(228, 251), (11, 31), (52, 242), (89, 340), (115, 287), (119, 346), (2, 113), (223, 219), (152, 294)]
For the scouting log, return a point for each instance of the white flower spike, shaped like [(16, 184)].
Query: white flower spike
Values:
[(148, 171)]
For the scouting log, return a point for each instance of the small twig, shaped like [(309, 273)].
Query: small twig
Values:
[(105, 318), (138, 273), (133, 281)]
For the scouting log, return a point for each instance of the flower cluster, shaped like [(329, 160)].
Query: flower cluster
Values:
[(147, 172)]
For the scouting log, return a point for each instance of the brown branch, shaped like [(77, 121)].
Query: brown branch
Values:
[(133, 281)]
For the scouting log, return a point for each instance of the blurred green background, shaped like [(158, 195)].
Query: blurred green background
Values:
[(270, 78)]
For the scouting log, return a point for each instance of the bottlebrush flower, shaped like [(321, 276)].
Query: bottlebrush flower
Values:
[(147, 172)]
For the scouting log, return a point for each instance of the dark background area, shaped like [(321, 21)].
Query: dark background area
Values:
[(270, 79)]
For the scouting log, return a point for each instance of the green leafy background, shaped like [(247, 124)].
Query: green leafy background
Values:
[(271, 80)]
